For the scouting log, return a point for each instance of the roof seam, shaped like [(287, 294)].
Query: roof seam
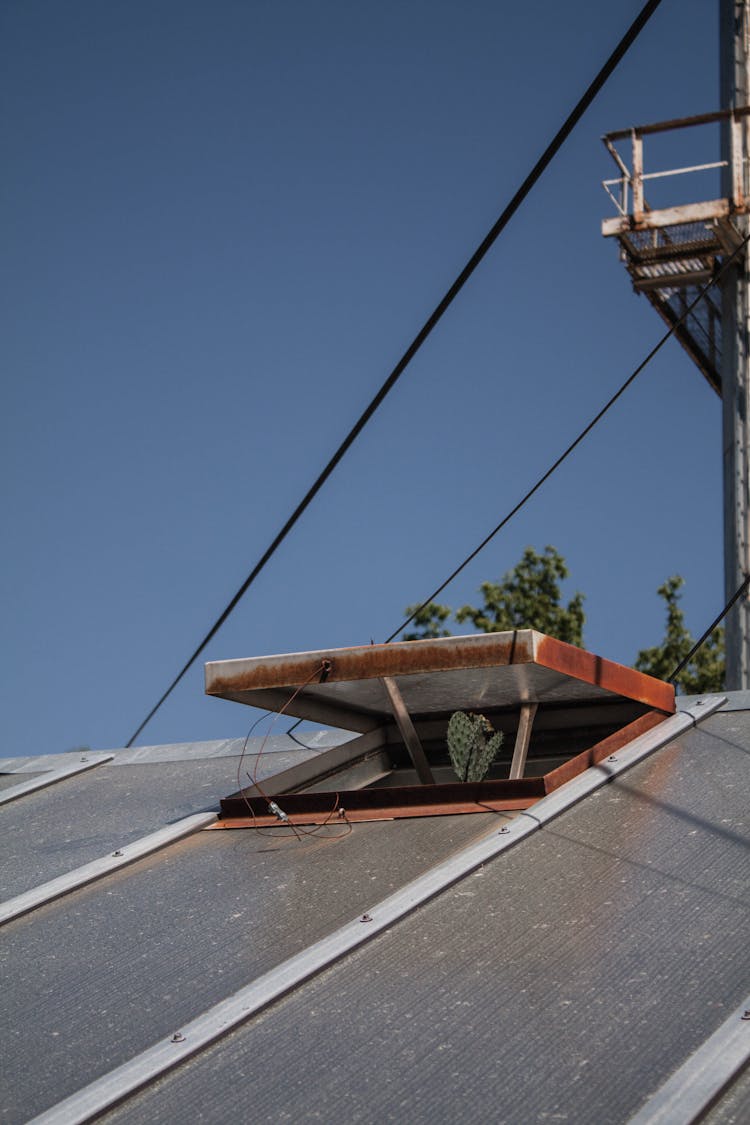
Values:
[(98, 868), (143, 1068), (41, 781)]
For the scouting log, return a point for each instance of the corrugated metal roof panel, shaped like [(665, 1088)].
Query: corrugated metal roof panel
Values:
[(10, 780), (733, 1108), (98, 976), (52, 831), (314, 741), (566, 980)]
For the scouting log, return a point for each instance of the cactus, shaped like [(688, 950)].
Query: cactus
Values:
[(472, 752)]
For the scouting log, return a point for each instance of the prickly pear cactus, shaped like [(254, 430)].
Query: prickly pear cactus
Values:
[(472, 751)]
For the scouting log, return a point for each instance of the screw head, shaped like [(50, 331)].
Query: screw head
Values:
[(178, 1037), (745, 1015), (118, 853), (612, 758), (366, 918), (504, 829)]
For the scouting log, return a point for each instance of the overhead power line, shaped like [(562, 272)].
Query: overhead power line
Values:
[(575, 443), (539, 168)]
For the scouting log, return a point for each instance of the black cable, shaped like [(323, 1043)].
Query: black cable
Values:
[(289, 732), (574, 444), (541, 165), (735, 597)]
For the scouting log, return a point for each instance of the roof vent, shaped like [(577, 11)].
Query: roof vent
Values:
[(563, 708)]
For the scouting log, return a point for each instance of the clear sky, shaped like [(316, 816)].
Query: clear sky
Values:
[(222, 224)]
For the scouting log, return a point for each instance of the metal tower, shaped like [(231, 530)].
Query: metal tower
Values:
[(671, 251), (735, 314)]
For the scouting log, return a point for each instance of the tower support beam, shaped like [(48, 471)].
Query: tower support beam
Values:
[(735, 363)]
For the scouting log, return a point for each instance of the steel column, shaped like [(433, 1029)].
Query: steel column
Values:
[(735, 371), (735, 345)]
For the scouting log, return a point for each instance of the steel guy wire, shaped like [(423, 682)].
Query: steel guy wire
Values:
[(742, 588), (574, 444)]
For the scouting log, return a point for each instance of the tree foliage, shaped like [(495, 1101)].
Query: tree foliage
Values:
[(705, 672), (429, 622), (529, 597), (526, 597)]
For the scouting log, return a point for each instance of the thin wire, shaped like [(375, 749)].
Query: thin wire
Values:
[(295, 739), (735, 597), (298, 831), (574, 444), (541, 165), (244, 747), (254, 779)]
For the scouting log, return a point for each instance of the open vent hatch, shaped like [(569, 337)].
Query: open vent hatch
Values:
[(559, 707)]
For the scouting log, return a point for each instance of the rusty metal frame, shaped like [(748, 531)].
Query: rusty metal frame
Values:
[(640, 216), (141, 1070), (393, 803), (677, 123), (676, 267), (269, 681), (368, 684)]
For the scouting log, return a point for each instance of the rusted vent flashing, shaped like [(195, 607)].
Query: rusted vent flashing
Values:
[(392, 803), (488, 673), (401, 696)]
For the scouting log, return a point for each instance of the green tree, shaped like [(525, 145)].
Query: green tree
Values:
[(705, 672), (429, 622), (529, 597), (526, 597)]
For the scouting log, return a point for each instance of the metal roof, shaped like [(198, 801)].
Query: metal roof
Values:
[(485, 672), (571, 975)]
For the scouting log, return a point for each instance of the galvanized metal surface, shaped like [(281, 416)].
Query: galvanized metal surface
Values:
[(732, 1107), (106, 865), (310, 768), (51, 777), (314, 740), (735, 366), (214, 1023), (604, 951), (9, 780), (94, 978), (56, 829), (435, 677), (686, 1096), (373, 768), (735, 701)]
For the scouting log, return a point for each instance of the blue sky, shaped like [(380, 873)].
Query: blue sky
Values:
[(222, 225)]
